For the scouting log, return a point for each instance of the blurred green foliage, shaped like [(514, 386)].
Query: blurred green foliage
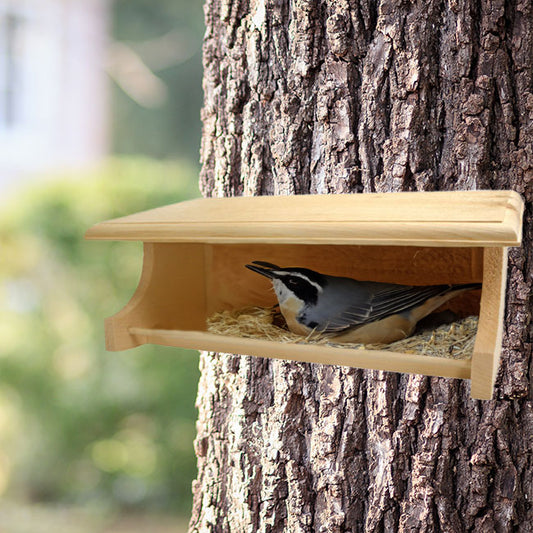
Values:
[(174, 127), (78, 424)]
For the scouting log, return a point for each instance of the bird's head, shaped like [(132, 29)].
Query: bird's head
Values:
[(291, 283)]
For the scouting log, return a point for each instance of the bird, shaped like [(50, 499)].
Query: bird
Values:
[(352, 311)]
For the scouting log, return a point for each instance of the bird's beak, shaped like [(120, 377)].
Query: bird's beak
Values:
[(263, 268)]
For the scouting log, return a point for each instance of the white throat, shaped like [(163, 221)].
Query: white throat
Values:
[(282, 292)]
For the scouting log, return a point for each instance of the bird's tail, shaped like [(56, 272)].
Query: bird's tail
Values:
[(465, 287), (434, 303)]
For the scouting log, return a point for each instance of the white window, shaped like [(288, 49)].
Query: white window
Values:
[(11, 29), (52, 84)]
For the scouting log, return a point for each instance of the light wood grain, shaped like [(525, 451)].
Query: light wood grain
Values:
[(195, 254), (487, 349), (171, 294), (370, 359), (472, 218)]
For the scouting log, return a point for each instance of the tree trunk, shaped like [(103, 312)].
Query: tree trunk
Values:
[(338, 96)]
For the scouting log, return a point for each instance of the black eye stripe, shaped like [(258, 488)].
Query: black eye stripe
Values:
[(295, 280), (302, 289)]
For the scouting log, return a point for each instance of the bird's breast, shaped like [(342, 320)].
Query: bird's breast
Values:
[(390, 329), (291, 310)]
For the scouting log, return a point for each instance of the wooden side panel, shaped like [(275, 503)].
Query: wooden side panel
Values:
[(487, 349), (171, 294), (232, 286)]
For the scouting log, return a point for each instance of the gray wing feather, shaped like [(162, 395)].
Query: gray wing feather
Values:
[(377, 301)]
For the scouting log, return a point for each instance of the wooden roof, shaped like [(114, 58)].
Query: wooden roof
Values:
[(459, 218)]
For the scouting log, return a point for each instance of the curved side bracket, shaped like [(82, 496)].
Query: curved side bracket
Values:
[(170, 295)]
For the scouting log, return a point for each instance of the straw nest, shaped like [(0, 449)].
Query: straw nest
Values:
[(453, 340)]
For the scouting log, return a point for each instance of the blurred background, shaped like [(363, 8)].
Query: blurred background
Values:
[(99, 117)]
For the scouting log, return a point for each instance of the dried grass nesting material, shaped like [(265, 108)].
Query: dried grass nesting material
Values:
[(455, 340)]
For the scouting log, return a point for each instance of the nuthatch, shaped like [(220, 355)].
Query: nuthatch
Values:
[(365, 312)]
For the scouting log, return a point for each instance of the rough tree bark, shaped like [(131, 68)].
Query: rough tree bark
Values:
[(336, 96)]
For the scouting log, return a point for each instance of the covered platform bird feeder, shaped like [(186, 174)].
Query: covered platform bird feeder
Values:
[(195, 252)]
